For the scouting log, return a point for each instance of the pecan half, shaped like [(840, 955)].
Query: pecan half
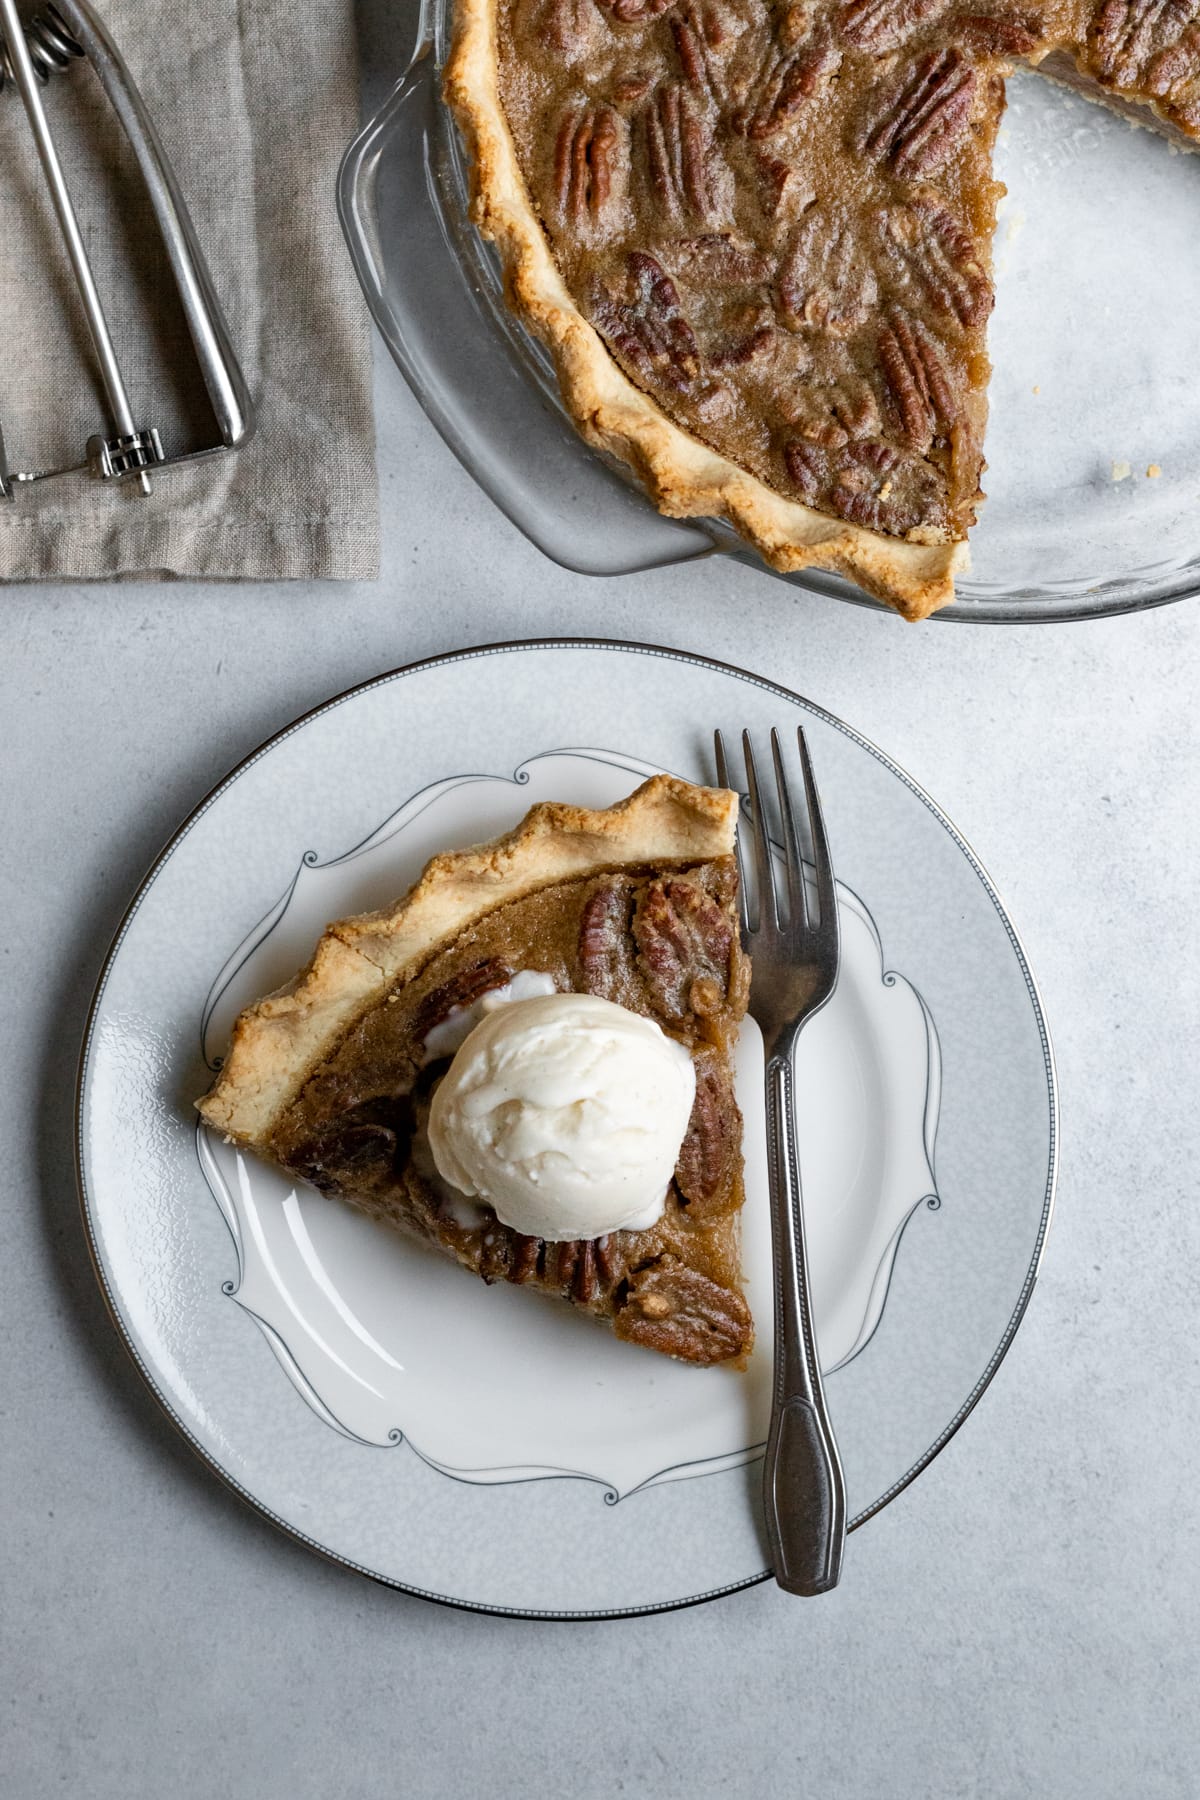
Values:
[(627, 89), (743, 347), (746, 329), (605, 945), (916, 376), (932, 247), (871, 483), (373, 1135), (698, 32), (677, 148), (914, 123), (1171, 71), (786, 81), (673, 1309), (878, 25), (585, 156), (463, 989), (708, 1156), (824, 280), (524, 1258), (569, 26), (996, 34), (834, 414), (774, 179), (808, 466), (583, 1269), (864, 484), (634, 12), (1184, 109), (1125, 34), (649, 327), (718, 256), (575, 1269), (684, 937)]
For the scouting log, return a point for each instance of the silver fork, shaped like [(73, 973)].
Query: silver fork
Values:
[(794, 970)]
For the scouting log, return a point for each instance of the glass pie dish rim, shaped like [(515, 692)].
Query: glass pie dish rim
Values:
[(446, 185)]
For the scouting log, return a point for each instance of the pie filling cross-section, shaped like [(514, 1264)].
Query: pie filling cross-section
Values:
[(332, 1078), (756, 236)]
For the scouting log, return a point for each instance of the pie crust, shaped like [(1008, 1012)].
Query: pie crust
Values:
[(684, 477), (280, 1040), (333, 1077), (1140, 56)]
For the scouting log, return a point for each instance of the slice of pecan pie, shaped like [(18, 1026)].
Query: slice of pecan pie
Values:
[(332, 1077), (756, 236)]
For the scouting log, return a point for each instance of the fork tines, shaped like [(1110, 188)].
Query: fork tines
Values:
[(797, 925)]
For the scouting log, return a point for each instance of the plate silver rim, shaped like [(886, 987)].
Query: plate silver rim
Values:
[(473, 653)]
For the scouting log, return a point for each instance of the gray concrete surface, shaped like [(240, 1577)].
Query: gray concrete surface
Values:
[(1021, 1622)]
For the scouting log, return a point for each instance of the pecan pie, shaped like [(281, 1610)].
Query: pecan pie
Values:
[(756, 235), (332, 1078)]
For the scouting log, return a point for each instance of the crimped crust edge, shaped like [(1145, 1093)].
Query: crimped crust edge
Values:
[(683, 476), (279, 1040)]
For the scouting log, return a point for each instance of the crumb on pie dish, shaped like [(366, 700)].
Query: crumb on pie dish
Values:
[(756, 237), (526, 1063)]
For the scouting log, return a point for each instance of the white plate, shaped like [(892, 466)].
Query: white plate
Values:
[(474, 1444)]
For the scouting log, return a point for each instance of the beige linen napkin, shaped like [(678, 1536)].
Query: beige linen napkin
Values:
[(254, 102)]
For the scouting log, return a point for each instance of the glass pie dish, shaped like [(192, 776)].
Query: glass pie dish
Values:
[(1094, 440)]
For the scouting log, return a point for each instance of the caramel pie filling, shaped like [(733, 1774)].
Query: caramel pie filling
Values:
[(664, 944), (778, 217)]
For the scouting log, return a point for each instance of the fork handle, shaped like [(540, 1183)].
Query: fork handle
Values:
[(804, 1491)]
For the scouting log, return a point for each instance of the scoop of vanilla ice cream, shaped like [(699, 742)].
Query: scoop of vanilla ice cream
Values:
[(565, 1113)]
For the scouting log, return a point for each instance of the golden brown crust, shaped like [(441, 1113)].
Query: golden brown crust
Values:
[(684, 477), (277, 1042)]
